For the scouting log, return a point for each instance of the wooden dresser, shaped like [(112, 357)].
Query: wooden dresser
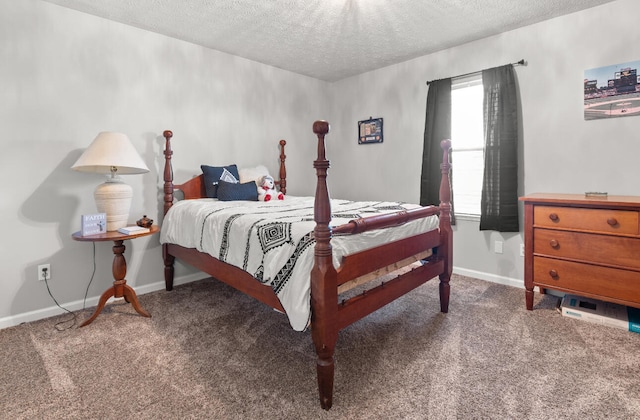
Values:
[(583, 245)]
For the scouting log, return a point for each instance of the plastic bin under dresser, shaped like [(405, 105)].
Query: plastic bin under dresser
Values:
[(587, 246)]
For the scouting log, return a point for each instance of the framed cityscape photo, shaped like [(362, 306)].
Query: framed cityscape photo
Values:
[(370, 131), (612, 91)]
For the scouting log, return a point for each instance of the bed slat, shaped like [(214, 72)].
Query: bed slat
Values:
[(366, 278), (360, 263), (362, 305)]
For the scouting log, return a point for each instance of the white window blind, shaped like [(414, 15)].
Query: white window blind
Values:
[(467, 144)]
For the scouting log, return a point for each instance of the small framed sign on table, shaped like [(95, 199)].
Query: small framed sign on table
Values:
[(370, 131), (93, 224)]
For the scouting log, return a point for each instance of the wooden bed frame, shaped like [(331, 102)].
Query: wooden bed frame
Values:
[(329, 315)]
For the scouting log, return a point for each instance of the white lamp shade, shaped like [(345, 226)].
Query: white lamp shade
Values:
[(109, 150), (112, 153)]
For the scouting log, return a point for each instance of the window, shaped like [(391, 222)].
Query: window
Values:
[(467, 144)]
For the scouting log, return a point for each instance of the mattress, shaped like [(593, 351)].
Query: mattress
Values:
[(274, 242)]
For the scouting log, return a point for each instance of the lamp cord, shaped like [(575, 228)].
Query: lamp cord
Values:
[(93, 273), (59, 325)]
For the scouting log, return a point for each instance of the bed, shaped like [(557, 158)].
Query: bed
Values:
[(308, 253)]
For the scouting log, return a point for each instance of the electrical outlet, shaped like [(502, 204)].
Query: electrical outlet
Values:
[(522, 250), (498, 247), (44, 272)]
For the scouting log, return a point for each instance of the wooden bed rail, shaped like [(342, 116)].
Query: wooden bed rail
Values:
[(381, 221)]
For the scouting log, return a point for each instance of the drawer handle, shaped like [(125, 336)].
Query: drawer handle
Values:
[(612, 221), (553, 274), (554, 243), (553, 217)]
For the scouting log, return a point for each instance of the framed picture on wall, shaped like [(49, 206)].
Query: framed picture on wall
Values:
[(370, 131), (612, 91)]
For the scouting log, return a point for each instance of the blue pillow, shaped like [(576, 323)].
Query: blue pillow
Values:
[(213, 174), (230, 191)]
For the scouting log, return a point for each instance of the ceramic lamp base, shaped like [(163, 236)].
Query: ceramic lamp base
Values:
[(114, 198)]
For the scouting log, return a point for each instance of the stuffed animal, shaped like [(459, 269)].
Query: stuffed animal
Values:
[(266, 189)]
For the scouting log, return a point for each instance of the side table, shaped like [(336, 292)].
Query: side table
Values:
[(120, 287)]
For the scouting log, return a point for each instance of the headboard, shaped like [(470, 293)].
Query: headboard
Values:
[(195, 187)]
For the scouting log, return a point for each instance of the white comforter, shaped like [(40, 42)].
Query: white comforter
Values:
[(274, 240)]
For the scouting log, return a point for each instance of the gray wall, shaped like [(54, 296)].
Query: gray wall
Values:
[(66, 75), (560, 152)]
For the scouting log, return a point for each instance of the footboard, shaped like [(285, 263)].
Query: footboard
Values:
[(328, 315)]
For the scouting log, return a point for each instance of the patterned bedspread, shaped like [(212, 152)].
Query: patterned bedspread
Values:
[(274, 240)]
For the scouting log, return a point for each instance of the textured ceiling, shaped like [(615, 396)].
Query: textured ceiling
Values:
[(329, 39)]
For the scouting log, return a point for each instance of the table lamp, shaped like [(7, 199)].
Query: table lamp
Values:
[(113, 154)]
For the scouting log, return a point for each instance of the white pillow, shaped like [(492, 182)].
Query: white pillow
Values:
[(252, 174)]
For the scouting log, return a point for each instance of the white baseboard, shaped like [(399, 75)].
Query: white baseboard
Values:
[(493, 278), (77, 305)]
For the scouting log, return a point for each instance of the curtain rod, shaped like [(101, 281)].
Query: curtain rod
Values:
[(519, 63)]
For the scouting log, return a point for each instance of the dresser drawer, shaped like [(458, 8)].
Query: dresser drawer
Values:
[(586, 278), (624, 222), (613, 250)]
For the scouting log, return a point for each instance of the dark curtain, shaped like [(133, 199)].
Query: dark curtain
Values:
[(437, 128), (499, 203)]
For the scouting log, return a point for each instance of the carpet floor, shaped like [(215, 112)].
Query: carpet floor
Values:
[(209, 352)]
